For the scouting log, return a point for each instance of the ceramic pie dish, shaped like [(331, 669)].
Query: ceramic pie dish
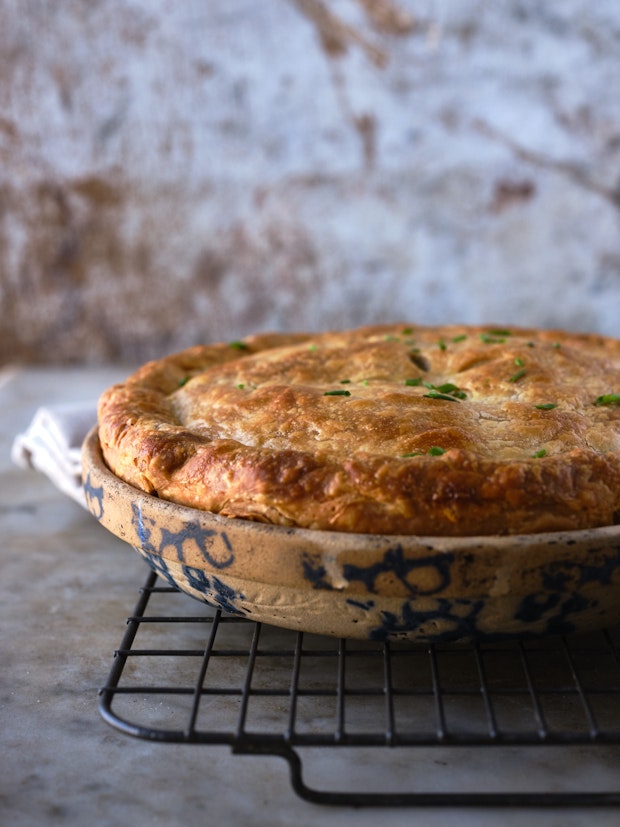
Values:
[(367, 586)]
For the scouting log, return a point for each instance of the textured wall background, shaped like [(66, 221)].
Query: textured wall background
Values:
[(174, 172)]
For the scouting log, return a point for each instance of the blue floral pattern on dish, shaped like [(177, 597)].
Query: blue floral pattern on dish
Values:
[(192, 534), (211, 588), (94, 496)]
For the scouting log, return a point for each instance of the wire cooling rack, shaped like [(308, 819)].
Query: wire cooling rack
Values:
[(186, 673)]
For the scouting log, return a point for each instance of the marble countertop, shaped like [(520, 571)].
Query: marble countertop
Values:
[(67, 587)]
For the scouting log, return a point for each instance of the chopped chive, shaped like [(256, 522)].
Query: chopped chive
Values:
[(183, 381), (313, 347), (453, 390), (547, 406), (500, 332), (436, 395), (238, 345), (364, 382), (241, 385), (460, 338), (337, 393), (434, 451), (519, 362), (490, 339), (518, 375), (413, 383), (608, 399), (557, 345), (539, 454), (445, 391), (407, 331), (345, 381), (531, 344), (441, 345)]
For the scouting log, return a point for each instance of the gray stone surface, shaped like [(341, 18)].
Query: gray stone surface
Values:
[(182, 172)]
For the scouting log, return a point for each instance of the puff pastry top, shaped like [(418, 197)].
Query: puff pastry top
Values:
[(392, 429)]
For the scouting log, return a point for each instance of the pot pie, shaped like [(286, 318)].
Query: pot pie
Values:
[(390, 429)]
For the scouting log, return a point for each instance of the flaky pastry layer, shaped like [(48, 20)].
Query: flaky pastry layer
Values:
[(392, 429)]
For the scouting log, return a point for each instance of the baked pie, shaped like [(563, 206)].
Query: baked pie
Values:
[(392, 429)]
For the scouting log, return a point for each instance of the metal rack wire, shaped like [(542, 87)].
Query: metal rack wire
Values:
[(185, 673)]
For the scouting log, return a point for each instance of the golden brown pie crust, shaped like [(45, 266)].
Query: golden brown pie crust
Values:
[(391, 429)]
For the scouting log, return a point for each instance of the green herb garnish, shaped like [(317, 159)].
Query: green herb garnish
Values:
[(519, 362), (500, 332), (539, 454), (434, 451), (337, 393), (608, 399), (238, 345), (518, 375), (492, 339), (447, 387), (413, 383), (345, 381), (241, 385), (546, 406), (184, 381), (442, 345), (460, 338), (446, 391), (437, 395)]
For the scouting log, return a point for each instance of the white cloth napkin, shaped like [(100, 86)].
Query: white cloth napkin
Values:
[(52, 444)]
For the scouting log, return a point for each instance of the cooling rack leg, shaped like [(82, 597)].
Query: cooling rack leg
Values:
[(351, 798), (295, 773)]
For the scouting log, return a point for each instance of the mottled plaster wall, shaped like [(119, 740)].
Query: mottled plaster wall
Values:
[(174, 172)]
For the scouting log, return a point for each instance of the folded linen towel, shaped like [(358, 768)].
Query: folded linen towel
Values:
[(52, 444)]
